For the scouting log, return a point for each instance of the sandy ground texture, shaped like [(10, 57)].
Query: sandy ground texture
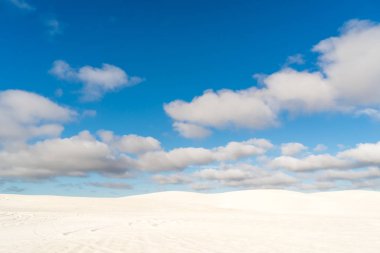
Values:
[(246, 221)]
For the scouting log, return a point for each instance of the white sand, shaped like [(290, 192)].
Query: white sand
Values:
[(236, 222)]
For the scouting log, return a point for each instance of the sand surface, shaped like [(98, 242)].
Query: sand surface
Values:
[(236, 222)]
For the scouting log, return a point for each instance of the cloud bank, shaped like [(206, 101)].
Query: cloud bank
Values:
[(32, 148)]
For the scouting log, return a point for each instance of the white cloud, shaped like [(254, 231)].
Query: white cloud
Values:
[(351, 62), (24, 115), (371, 184), (368, 173), (224, 108), (96, 81), (224, 174), (366, 154), (74, 156), (130, 155), (315, 186), (320, 148), (172, 179), (132, 144), (310, 163), (201, 186), (347, 81), (176, 159), (310, 173), (181, 158), (264, 144), (111, 155), (230, 175), (292, 148), (63, 70), (246, 175), (111, 185), (22, 4), (190, 130), (365, 157), (298, 92), (234, 150)]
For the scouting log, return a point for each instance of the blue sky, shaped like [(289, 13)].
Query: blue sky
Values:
[(119, 66)]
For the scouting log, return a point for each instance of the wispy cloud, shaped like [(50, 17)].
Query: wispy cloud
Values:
[(294, 59), (54, 27), (21, 4)]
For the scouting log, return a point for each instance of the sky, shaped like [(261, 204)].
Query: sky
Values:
[(114, 98)]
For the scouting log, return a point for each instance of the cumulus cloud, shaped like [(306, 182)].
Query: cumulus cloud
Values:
[(224, 108), (298, 92), (96, 81), (365, 154), (132, 144), (315, 186), (201, 186), (320, 148), (172, 179), (24, 115), (351, 62), (181, 158), (311, 162), (347, 81), (35, 122), (75, 156), (357, 167), (371, 184), (113, 156), (125, 156), (111, 185), (368, 173), (345, 170), (292, 148), (229, 175), (190, 130), (246, 175)]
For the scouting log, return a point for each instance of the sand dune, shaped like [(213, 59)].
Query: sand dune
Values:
[(245, 221)]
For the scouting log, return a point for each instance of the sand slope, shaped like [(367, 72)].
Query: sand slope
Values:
[(245, 221)]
